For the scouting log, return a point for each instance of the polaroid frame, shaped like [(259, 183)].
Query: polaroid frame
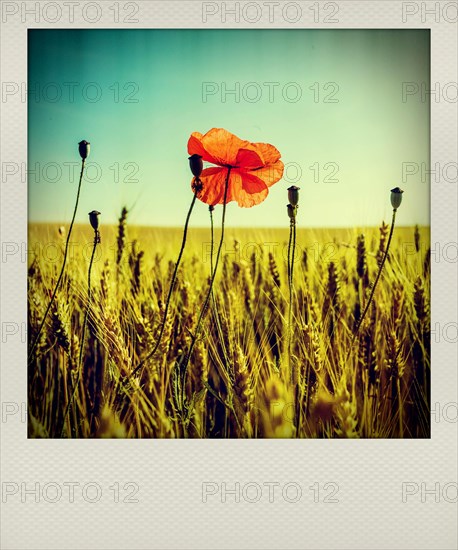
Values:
[(139, 494)]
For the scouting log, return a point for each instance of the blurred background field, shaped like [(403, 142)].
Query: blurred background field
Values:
[(322, 244), (237, 383)]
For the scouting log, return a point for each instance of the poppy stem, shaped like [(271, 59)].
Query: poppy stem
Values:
[(86, 314), (37, 337), (292, 366), (210, 290), (211, 239), (290, 282), (289, 251), (374, 286), (169, 295), (382, 263), (215, 309)]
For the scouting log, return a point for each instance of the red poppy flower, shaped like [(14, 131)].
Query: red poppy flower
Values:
[(254, 167)]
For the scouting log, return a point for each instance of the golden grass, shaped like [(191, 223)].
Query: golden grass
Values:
[(237, 383)]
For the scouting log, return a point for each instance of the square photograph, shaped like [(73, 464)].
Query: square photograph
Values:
[(228, 233)]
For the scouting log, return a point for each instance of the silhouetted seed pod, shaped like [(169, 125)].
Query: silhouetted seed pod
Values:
[(94, 219), (292, 211), (196, 165), (396, 197), (293, 195), (84, 148)]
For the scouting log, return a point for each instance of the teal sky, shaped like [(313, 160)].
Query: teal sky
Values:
[(367, 134)]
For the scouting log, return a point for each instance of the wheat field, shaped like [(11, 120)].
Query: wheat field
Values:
[(245, 378)]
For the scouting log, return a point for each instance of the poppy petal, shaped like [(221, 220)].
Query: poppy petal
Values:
[(243, 187), (253, 190), (214, 182), (269, 153), (217, 146), (249, 158), (195, 147), (269, 174)]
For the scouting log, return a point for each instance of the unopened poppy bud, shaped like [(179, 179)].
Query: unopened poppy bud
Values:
[(196, 165), (396, 197), (292, 211), (94, 219), (84, 148), (293, 195)]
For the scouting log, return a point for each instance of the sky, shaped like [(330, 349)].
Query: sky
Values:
[(341, 106)]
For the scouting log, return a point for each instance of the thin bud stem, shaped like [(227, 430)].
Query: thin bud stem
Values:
[(83, 335), (37, 337), (382, 263), (290, 282), (172, 284), (209, 293)]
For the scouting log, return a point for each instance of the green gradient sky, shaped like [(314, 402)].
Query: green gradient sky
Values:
[(369, 133)]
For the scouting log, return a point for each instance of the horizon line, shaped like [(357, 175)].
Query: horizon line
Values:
[(286, 226)]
